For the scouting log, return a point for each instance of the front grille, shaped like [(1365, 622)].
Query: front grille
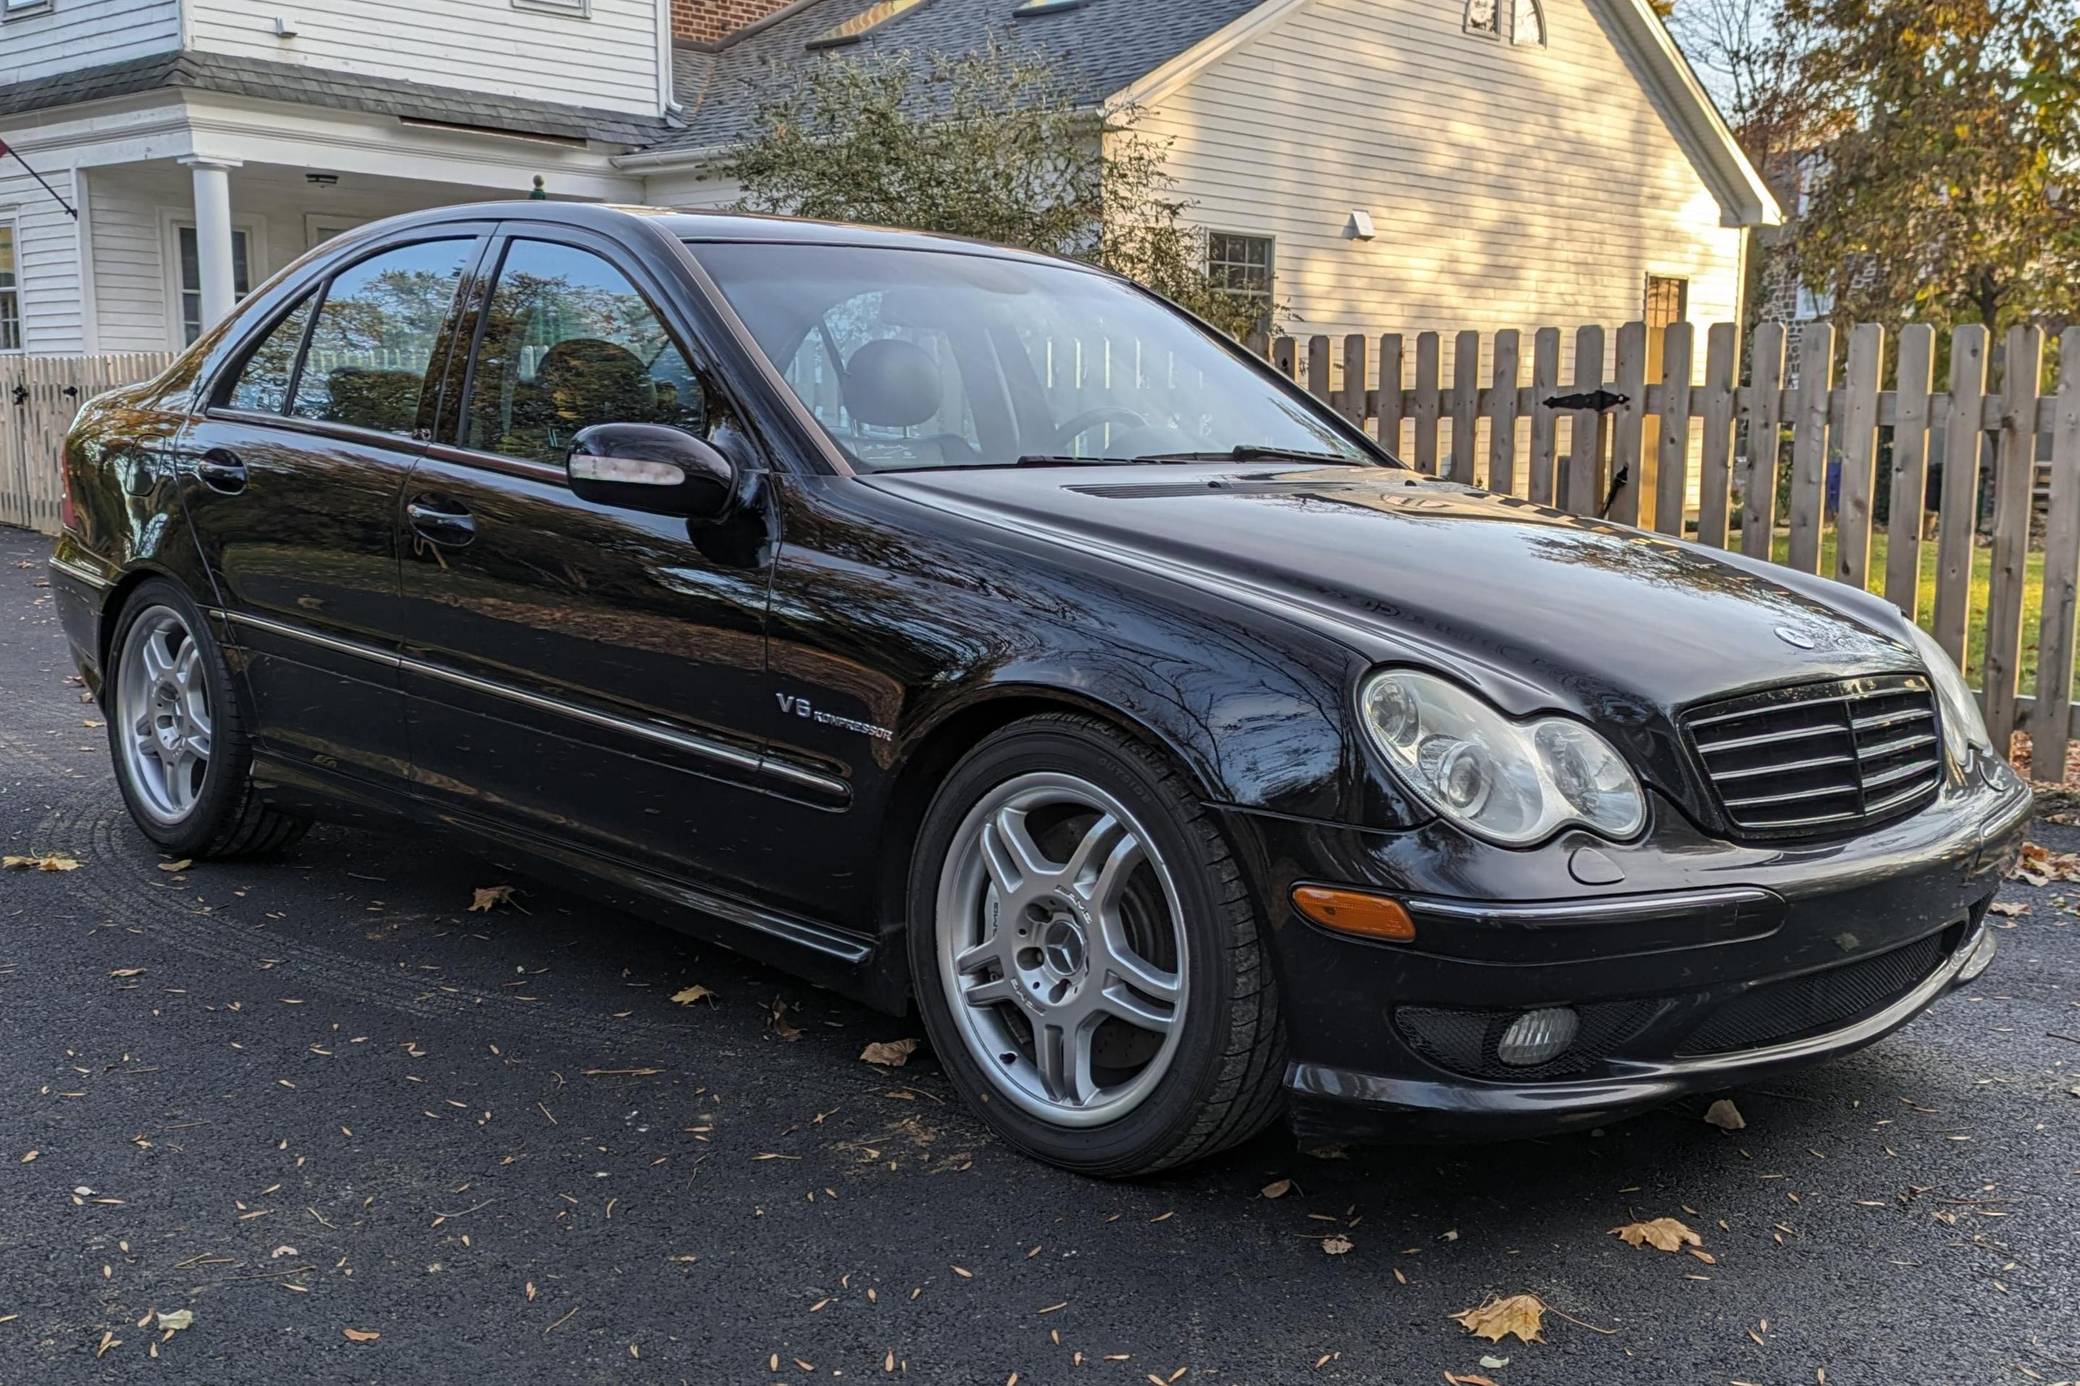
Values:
[(1464, 1041), (1818, 1001), (1821, 757)]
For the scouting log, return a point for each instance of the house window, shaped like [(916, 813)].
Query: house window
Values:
[(1243, 267), (191, 276), (1484, 18), (1527, 23), (577, 9), (18, 8), (1668, 301), (10, 292)]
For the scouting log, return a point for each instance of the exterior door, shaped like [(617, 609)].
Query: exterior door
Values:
[(576, 671), (291, 478)]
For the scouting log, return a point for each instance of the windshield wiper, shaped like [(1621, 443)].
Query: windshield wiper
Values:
[(1041, 459), (1248, 452)]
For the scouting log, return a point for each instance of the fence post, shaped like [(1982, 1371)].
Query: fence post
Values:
[(1545, 382), (2051, 722), (1283, 357), (1426, 402), (1502, 416), (1354, 378), (2014, 485), (1809, 445), (1859, 448), (1585, 433), (1959, 503), (1318, 368), (1672, 437), (1466, 391), (1390, 392), (1628, 426), (1715, 406), (1909, 487), (1765, 428)]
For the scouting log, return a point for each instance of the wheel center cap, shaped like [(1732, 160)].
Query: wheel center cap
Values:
[(1062, 947)]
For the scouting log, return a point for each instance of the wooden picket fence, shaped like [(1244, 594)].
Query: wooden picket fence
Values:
[(1636, 458), (39, 395)]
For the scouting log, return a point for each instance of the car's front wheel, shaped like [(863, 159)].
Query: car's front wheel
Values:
[(1086, 956), (177, 735)]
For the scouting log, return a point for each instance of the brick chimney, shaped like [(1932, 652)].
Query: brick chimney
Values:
[(710, 21)]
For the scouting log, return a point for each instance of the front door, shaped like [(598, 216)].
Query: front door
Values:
[(578, 672), (291, 478)]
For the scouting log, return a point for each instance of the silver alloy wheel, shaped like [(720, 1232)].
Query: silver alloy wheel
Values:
[(1061, 949), (162, 714)]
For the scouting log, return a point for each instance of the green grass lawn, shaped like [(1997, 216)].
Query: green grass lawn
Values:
[(1975, 628)]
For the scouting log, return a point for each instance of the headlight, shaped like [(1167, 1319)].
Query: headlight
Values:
[(1513, 782), (1963, 726)]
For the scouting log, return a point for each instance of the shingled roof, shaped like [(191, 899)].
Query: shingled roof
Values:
[(1099, 49)]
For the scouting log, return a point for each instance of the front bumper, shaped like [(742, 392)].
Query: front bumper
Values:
[(1699, 964)]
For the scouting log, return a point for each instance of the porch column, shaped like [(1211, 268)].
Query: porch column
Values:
[(212, 179)]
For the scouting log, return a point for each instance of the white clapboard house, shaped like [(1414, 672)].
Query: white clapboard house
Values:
[(1369, 164)]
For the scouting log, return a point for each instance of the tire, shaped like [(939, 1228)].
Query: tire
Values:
[(183, 763), (1046, 871)]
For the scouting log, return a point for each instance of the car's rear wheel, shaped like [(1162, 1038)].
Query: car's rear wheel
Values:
[(1087, 959), (176, 733)]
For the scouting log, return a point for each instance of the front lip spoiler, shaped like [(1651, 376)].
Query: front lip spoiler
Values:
[(1339, 1101)]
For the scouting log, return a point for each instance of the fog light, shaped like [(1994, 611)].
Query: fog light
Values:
[(1536, 1037), (1980, 959)]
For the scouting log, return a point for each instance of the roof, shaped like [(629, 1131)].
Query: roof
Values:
[(306, 85), (1097, 49)]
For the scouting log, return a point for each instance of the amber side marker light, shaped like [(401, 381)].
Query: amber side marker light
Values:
[(1355, 912)]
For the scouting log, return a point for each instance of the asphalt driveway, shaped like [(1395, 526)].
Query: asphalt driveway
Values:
[(345, 1128)]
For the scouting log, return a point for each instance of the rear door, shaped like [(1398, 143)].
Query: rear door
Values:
[(577, 671), (291, 479)]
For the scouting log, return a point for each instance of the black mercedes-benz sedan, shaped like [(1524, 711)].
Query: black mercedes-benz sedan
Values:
[(973, 630)]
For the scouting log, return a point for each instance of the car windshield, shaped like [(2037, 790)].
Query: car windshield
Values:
[(918, 358)]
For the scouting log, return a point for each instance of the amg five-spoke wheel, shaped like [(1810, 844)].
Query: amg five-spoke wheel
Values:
[(177, 735), (1060, 948), (1086, 955), (162, 709)]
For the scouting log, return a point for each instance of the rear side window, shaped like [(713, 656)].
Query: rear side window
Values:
[(263, 384), (371, 349)]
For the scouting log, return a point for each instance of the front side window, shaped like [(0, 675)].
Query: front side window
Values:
[(191, 278), (371, 349), (10, 292), (568, 342), (914, 358), (263, 382)]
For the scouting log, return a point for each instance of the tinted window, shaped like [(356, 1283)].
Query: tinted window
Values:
[(568, 342), (263, 384), (373, 343)]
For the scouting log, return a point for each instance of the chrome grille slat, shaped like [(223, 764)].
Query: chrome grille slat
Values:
[(1819, 758)]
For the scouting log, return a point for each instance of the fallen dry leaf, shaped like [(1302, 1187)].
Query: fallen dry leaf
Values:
[(177, 1320), (1335, 1244), (889, 1053), (360, 1335), (49, 862), (1724, 1115), (1663, 1234), (484, 899), (1497, 1318), (2041, 866), (172, 866), (1475, 1379), (1278, 1188), (2008, 909), (686, 996)]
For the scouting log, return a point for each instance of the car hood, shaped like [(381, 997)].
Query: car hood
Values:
[(1535, 605)]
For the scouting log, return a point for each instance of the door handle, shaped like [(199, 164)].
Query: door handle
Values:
[(220, 470), (441, 522)]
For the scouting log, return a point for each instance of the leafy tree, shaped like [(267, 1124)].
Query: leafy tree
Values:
[(987, 144), (1945, 150)]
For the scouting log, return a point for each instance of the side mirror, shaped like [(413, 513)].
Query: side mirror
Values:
[(652, 468)]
